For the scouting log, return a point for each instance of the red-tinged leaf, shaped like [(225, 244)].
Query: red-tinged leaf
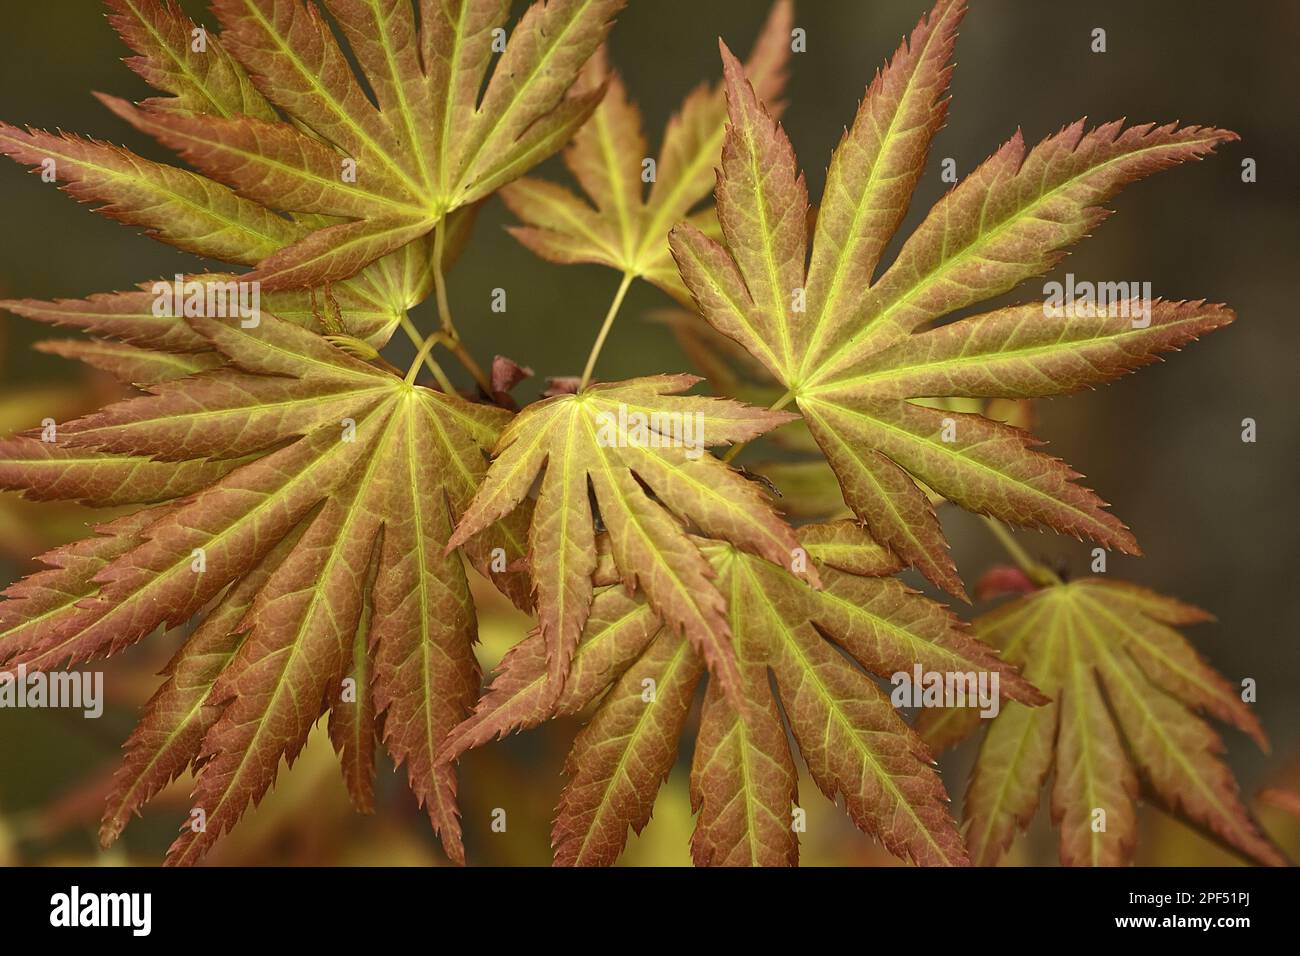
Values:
[(128, 316), (200, 82), (336, 252), (624, 753), (524, 102), (855, 745), (394, 171), (426, 677), (1020, 352), (1002, 581), (980, 464), (743, 782), (1044, 200), (368, 306), (846, 546), (281, 678), (1125, 689), (175, 206), (352, 728), (617, 631), (377, 476), (129, 364), (743, 785), (168, 738), (298, 64), (852, 740), (627, 229), (623, 439), (384, 37), (50, 471), (69, 576), (1167, 660), (1017, 752), (230, 412), (1096, 786), (852, 350), (1285, 800), (877, 166), (270, 163), (506, 374)]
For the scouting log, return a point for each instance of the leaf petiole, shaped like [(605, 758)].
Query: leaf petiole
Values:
[(424, 347), (450, 337), (1040, 574), (776, 406), (604, 329)]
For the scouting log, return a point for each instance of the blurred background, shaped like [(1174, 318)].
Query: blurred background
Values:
[(1216, 517)]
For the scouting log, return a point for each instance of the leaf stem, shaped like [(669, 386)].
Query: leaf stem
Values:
[(604, 329), (419, 342), (1040, 574), (450, 337), (422, 356), (776, 406), (425, 347)]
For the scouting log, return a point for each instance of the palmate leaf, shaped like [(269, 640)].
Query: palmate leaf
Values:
[(319, 494), (1126, 688), (621, 443), (850, 346), (367, 307), (623, 227), (743, 780), (302, 137), (202, 216)]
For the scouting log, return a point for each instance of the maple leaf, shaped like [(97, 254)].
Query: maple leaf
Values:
[(628, 229), (743, 780), (205, 217), (851, 348), (275, 120), (316, 493), (1126, 688), (621, 443)]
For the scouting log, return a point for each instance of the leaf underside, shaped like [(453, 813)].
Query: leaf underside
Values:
[(326, 492), (743, 781), (299, 174), (1126, 690), (625, 226), (855, 345)]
